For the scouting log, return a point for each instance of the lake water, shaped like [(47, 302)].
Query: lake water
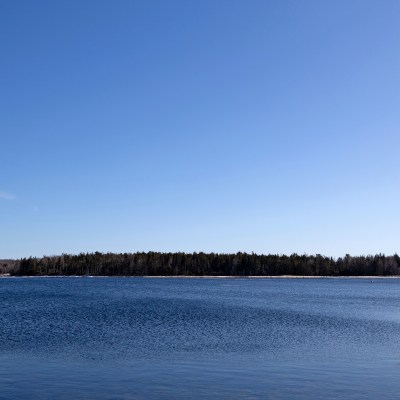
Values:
[(137, 338)]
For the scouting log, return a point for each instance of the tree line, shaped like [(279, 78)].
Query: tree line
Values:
[(8, 266), (211, 264)]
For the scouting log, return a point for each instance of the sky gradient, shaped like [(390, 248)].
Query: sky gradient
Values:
[(224, 126)]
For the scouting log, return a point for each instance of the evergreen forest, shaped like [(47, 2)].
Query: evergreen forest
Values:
[(202, 264)]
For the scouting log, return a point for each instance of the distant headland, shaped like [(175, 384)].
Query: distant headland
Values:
[(202, 265)]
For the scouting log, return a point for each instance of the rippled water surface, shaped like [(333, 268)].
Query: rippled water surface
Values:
[(133, 338)]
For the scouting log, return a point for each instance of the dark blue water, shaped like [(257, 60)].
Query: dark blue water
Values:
[(133, 338)]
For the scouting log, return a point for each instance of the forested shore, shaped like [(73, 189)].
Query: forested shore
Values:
[(202, 264)]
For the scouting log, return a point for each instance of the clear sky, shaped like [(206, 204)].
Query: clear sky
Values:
[(225, 126)]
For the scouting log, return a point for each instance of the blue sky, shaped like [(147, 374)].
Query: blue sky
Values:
[(225, 126)]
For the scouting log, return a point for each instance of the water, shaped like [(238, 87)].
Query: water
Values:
[(134, 338)]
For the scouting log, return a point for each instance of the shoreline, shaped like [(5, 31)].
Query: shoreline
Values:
[(208, 276)]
